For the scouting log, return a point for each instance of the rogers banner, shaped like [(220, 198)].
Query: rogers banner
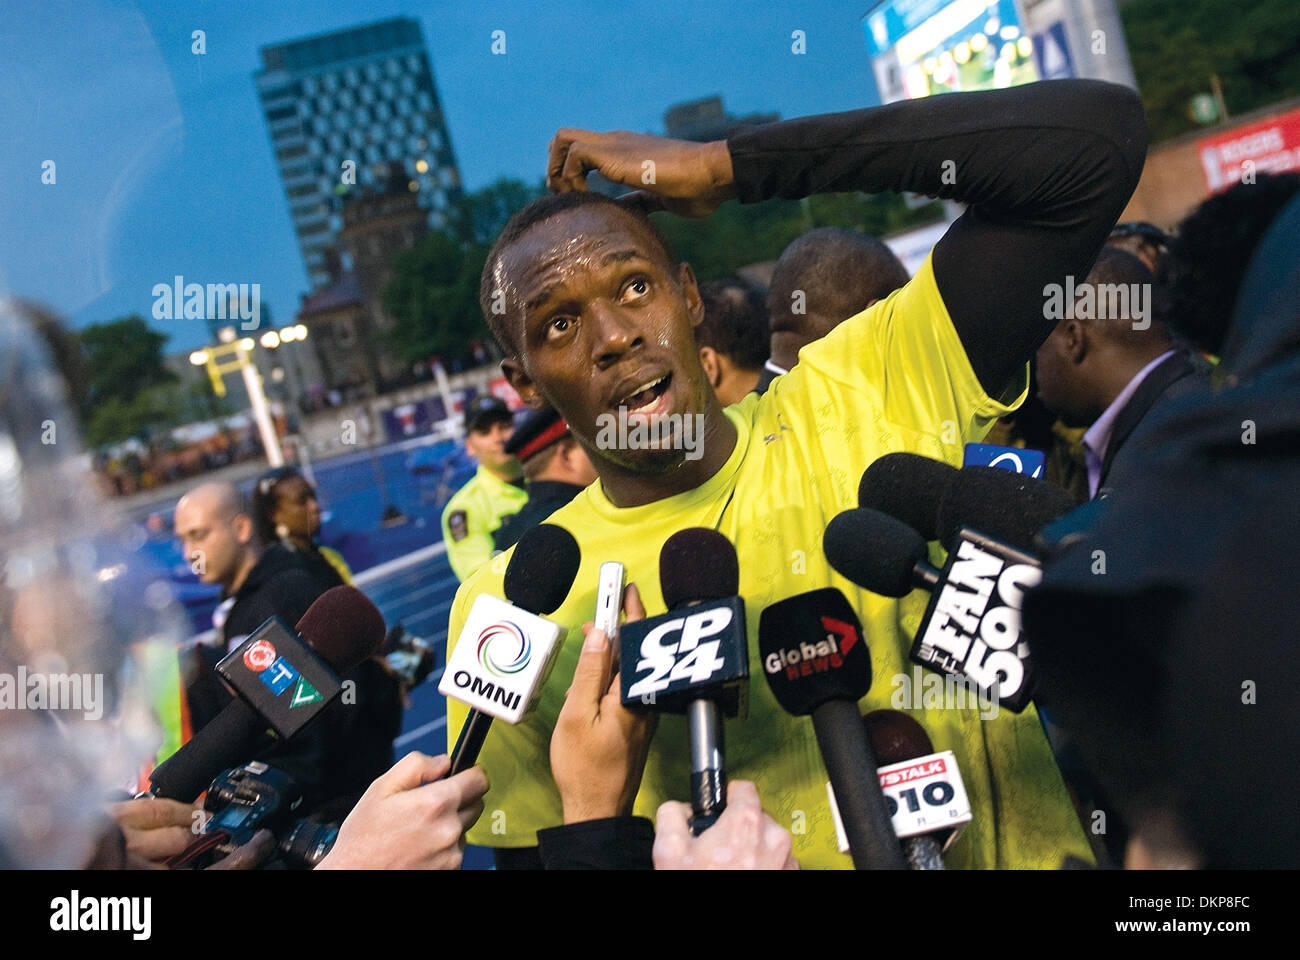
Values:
[(1271, 146)]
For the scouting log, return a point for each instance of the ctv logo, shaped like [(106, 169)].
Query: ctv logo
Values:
[(810, 658), (278, 674), (517, 646), (699, 656)]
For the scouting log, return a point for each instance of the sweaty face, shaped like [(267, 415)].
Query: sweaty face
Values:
[(297, 508), (606, 329)]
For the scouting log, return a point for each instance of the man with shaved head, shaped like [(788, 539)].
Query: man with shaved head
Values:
[(823, 278)]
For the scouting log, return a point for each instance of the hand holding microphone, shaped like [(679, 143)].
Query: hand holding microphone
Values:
[(599, 747), (744, 837), (410, 818)]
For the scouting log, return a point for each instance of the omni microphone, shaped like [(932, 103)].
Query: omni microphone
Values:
[(923, 789), (1007, 506), (908, 487), (280, 682), (818, 665), (505, 651), (695, 658), (971, 629)]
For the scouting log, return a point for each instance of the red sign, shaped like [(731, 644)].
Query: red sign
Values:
[(928, 769), (501, 389), (1270, 146)]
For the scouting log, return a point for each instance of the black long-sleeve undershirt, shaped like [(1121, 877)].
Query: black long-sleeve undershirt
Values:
[(1046, 168)]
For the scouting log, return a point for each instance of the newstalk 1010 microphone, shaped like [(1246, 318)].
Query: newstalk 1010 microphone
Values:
[(817, 664), (695, 658), (971, 628), (506, 650), (923, 789), (282, 680)]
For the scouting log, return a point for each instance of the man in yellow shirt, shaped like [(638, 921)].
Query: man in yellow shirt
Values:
[(494, 492), (598, 321)]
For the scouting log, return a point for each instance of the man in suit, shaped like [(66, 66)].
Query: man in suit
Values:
[(1107, 366)]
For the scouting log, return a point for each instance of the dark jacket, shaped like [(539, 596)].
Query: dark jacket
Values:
[(1174, 378), (544, 498)]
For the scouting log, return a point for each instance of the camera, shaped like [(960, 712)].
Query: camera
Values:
[(244, 800)]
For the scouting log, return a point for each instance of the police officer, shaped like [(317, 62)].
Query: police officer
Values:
[(494, 492), (557, 469)]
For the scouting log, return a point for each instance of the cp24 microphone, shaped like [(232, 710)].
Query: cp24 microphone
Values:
[(923, 789), (818, 665), (695, 658), (971, 627), (280, 682), (505, 650)]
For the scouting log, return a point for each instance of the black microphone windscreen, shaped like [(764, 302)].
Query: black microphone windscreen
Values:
[(813, 651), (908, 487), (543, 569), (874, 550), (1007, 506), (343, 627), (896, 737), (698, 564)]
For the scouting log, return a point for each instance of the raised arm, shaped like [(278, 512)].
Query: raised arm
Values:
[(1045, 168)]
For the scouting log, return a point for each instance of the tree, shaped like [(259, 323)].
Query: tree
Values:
[(432, 297), (481, 215), (1175, 46), (123, 357)]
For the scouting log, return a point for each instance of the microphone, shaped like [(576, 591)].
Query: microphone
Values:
[(280, 682), (695, 658), (908, 487), (971, 628), (506, 650), (817, 664), (1008, 506), (923, 789)]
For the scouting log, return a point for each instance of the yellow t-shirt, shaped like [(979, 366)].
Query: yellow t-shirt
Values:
[(470, 516), (893, 378)]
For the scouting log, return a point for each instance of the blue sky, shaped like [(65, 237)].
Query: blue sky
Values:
[(162, 161)]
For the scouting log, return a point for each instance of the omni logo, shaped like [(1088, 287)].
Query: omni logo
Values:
[(503, 649)]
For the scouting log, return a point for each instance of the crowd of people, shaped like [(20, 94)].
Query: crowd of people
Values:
[(1142, 406)]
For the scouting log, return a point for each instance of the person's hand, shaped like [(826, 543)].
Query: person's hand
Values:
[(598, 747), (743, 838), (156, 829), (405, 821), (691, 179)]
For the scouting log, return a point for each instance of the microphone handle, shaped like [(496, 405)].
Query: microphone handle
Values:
[(923, 853), (470, 742), (852, 767), (708, 777), (224, 742)]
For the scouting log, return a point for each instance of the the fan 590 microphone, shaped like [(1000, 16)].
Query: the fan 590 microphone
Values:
[(817, 664), (923, 789), (695, 658), (280, 682), (971, 627), (505, 650)]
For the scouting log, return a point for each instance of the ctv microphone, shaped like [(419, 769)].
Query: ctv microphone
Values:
[(971, 627), (280, 682), (695, 658), (923, 789), (908, 487), (506, 651), (818, 665)]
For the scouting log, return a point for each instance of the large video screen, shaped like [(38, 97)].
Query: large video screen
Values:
[(923, 47)]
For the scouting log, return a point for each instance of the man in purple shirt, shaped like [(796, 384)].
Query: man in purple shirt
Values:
[(1107, 365)]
